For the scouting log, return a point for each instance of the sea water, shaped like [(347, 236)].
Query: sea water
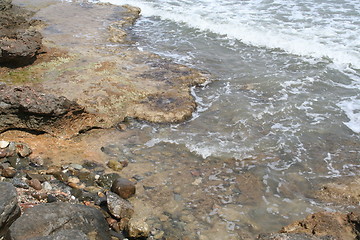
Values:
[(284, 101)]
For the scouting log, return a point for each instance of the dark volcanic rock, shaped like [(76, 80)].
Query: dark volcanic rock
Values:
[(26, 108), (48, 219), (19, 43), (123, 187), (9, 208)]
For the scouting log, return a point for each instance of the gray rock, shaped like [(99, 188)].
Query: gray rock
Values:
[(9, 208), (118, 207), (64, 235), (52, 218)]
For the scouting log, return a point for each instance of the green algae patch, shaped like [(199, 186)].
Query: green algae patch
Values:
[(32, 74)]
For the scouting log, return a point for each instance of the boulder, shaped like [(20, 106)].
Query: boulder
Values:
[(9, 208), (45, 220)]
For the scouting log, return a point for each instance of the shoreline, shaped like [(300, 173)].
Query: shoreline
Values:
[(109, 83)]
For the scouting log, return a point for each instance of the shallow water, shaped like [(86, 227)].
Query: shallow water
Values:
[(281, 117)]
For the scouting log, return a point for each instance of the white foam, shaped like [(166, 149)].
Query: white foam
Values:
[(289, 27), (352, 110)]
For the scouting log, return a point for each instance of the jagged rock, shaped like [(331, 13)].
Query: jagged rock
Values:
[(9, 208), (27, 108), (19, 43), (47, 219), (118, 207)]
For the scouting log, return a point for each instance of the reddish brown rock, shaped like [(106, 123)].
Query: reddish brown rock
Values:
[(8, 172), (35, 183), (123, 187), (337, 225)]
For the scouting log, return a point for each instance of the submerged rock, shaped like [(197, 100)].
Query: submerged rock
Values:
[(138, 228)]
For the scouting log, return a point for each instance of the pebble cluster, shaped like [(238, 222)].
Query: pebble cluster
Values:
[(85, 183)]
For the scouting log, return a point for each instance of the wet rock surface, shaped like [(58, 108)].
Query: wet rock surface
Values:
[(19, 41), (9, 208)]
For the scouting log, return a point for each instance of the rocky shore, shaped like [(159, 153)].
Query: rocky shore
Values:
[(66, 92)]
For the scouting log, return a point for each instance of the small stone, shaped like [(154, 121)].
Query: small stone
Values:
[(76, 166), (123, 187), (23, 150), (8, 172), (61, 176), (76, 186), (51, 198), (37, 161), (4, 144), (118, 207), (17, 162), (159, 235), (39, 196), (19, 183), (92, 189), (73, 180), (122, 126), (107, 180), (138, 228), (47, 186), (115, 165), (35, 183), (3, 153)]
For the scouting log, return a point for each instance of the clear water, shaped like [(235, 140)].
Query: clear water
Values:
[(285, 100)]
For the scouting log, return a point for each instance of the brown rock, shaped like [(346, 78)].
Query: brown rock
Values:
[(22, 149), (123, 187), (115, 165), (35, 183), (337, 225), (8, 172)]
